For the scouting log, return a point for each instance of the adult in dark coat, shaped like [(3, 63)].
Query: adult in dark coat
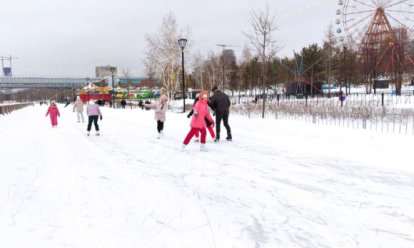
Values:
[(123, 103), (220, 104)]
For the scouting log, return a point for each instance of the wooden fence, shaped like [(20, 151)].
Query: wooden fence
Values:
[(7, 109)]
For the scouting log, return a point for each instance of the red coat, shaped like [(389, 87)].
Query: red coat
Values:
[(202, 111)]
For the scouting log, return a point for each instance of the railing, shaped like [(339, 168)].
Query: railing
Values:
[(7, 109)]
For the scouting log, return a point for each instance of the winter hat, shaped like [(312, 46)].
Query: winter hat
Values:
[(77, 98), (163, 97), (202, 94), (91, 102), (205, 96)]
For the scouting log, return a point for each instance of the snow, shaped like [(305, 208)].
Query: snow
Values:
[(278, 184)]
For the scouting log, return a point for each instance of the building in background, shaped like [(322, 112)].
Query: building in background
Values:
[(104, 71)]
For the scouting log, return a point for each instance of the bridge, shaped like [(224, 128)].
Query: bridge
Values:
[(43, 82)]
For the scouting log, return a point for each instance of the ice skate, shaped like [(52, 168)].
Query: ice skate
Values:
[(162, 133), (196, 140), (229, 138), (88, 133), (97, 133), (203, 148), (183, 147)]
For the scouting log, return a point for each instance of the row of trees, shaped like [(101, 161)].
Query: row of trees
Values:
[(259, 67), (38, 95)]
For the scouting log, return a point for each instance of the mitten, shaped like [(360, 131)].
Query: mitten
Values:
[(188, 116), (101, 118)]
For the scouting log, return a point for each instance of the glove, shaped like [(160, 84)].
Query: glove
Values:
[(101, 118), (188, 116), (195, 113)]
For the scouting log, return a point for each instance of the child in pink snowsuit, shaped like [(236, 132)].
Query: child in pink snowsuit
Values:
[(54, 113)]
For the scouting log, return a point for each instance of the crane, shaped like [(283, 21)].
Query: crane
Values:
[(8, 71), (224, 46)]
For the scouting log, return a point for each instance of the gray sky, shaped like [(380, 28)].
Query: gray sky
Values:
[(58, 38)]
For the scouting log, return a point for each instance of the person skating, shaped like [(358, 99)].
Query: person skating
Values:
[(123, 103), (93, 113), (78, 106), (160, 107), (198, 123), (67, 102), (54, 113), (208, 123), (220, 104)]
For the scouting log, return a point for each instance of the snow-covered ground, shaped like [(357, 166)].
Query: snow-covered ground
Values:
[(278, 184)]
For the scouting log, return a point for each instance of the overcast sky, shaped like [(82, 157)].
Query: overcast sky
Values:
[(60, 38)]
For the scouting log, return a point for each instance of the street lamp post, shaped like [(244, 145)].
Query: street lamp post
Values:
[(182, 42), (113, 88), (87, 88)]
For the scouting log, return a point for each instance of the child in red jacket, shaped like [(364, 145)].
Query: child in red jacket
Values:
[(54, 113)]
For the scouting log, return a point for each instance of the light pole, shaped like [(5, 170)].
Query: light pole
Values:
[(87, 88), (113, 88), (182, 42)]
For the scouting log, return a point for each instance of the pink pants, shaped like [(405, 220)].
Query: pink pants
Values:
[(53, 119), (194, 131), (210, 130)]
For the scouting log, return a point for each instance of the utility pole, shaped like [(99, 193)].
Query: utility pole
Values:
[(9, 73)]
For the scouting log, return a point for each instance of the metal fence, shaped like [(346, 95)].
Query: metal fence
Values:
[(380, 119)]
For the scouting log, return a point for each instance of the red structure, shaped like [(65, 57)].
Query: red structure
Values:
[(87, 97)]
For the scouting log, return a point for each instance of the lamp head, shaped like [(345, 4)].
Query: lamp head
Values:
[(182, 42)]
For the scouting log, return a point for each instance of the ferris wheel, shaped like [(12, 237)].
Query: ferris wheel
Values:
[(364, 19)]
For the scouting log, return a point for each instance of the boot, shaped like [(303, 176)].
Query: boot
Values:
[(217, 139), (97, 133), (183, 147), (229, 138), (88, 133), (203, 148)]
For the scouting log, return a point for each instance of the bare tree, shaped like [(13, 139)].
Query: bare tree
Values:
[(163, 53), (329, 46), (127, 74), (262, 38)]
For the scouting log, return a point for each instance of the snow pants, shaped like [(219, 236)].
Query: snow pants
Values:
[(94, 119), (160, 126), (53, 120), (79, 113), (210, 130), (192, 132)]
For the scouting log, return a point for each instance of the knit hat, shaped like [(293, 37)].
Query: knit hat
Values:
[(163, 97), (78, 98), (91, 102), (202, 95)]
